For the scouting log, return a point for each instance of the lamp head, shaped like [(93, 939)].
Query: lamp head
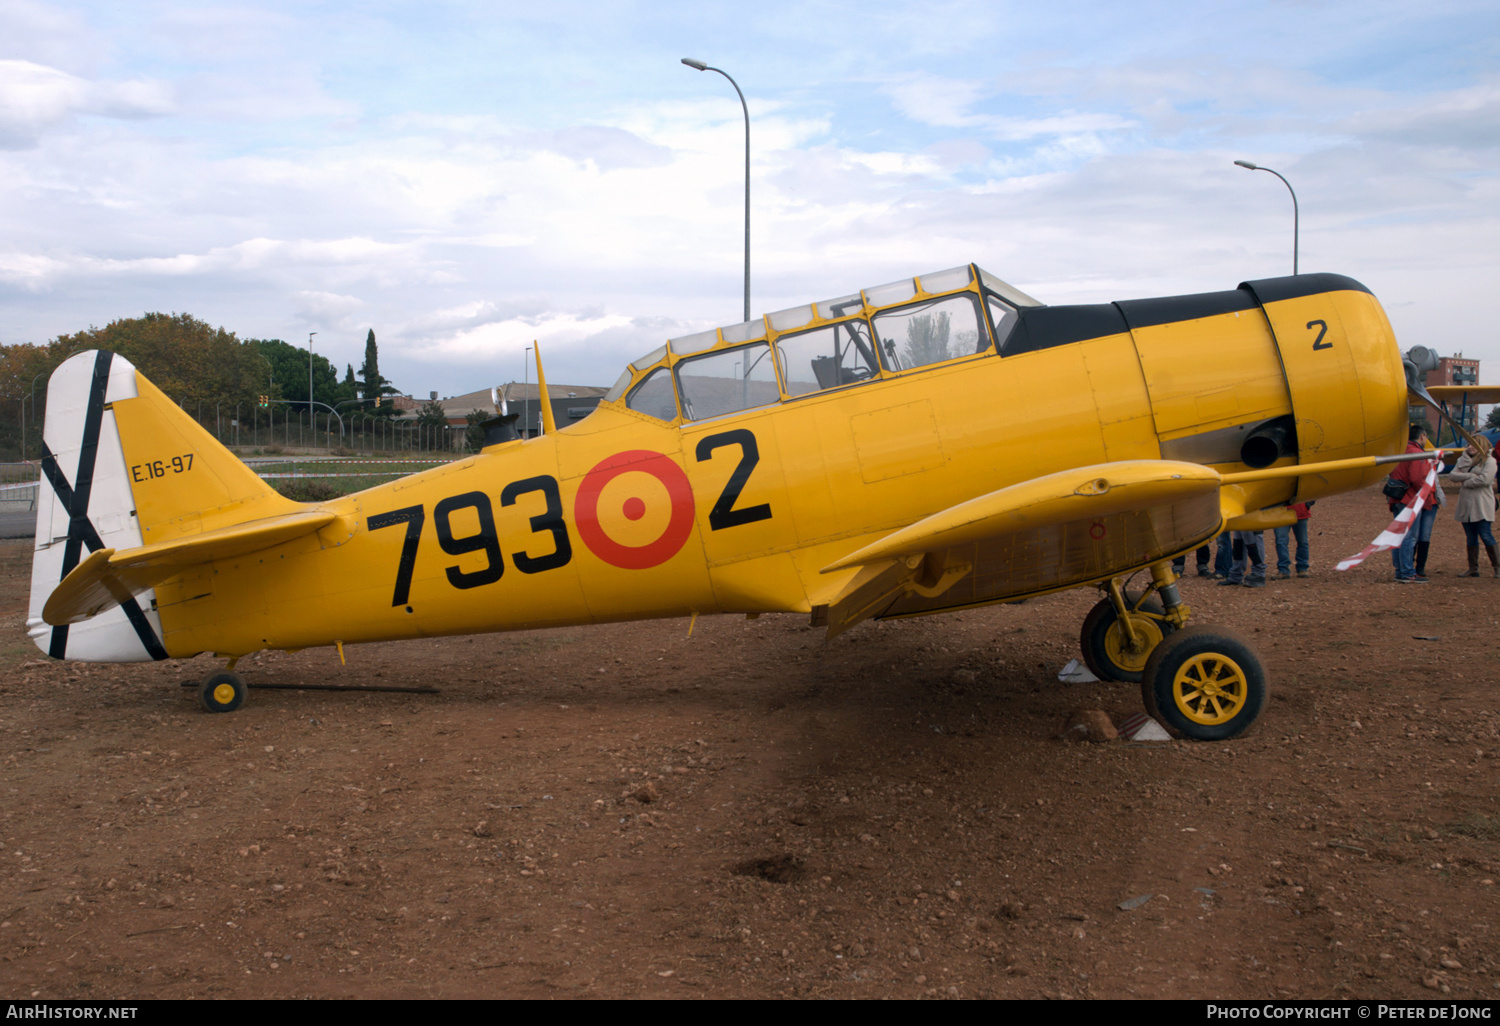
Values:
[(1247, 164), (695, 65)]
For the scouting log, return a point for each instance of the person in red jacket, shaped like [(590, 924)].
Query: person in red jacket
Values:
[(1413, 473)]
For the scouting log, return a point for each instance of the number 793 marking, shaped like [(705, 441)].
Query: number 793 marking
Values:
[(549, 521)]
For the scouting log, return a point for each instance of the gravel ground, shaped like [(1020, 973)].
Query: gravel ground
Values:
[(624, 810)]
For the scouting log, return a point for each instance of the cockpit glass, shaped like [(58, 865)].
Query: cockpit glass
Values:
[(618, 388), (931, 331), (654, 396), (1003, 317), (727, 381), (838, 354), (650, 358)]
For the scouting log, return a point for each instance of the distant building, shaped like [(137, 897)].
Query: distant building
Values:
[(1451, 370), (570, 403), (1454, 370)]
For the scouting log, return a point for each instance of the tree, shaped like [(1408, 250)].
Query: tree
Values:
[(288, 369), (432, 418), (927, 339), (186, 358), (182, 355), (23, 379), (371, 384), (474, 433), (1493, 420)]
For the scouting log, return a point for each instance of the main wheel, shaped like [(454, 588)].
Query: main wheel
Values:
[(1106, 648), (222, 693), (1204, 683)]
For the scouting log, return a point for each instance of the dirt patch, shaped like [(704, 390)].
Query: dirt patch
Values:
[(623, 810)]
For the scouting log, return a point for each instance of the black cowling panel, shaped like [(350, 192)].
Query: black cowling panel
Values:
[(1147, 313), (1043, 327), (1274, 290)]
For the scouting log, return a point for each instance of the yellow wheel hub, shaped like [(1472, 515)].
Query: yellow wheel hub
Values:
[(1117, 644), (224, 693), (1210, 689)]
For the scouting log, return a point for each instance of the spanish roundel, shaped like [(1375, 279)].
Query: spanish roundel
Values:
[(634, 510)]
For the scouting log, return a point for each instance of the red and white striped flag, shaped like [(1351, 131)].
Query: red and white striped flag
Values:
[(1393, 535)]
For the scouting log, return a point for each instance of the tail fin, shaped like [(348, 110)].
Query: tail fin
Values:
[(124, 468)]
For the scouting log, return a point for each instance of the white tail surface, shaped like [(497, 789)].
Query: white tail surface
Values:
[(85, 503)]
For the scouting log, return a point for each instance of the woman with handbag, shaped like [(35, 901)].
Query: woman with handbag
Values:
[(1475, 506)]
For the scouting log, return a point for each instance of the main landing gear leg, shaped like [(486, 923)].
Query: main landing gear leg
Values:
[(1122, 631)]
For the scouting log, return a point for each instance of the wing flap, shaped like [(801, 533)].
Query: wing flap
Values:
[(109, 577)]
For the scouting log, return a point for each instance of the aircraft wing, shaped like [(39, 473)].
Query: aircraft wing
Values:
[(1051, 532), (1474, 394), (1074, 527), (107, 577)]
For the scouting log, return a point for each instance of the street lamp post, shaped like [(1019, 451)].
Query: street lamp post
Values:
[(700, 66), (310, 335), (1296, 216), (33, 412)]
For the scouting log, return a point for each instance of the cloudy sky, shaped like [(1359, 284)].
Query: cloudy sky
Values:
[(465, 177)]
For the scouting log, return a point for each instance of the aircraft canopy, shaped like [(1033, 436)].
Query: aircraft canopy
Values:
[(866, 302)]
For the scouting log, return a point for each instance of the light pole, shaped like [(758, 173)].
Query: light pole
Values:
[(1296, 217), (700, 66), (525, 398), (310, 335), (33, 413)]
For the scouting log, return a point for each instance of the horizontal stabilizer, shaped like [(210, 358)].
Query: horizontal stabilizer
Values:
[(108, 577)]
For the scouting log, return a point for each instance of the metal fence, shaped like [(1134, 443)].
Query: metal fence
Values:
[(18, 484), (247, 426)]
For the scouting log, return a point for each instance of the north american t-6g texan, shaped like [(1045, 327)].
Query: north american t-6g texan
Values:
[(939, 443)]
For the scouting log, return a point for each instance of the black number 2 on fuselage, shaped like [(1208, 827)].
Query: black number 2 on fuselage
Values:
[(724, 514)]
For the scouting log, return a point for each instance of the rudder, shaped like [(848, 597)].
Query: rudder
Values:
[(123, 467)]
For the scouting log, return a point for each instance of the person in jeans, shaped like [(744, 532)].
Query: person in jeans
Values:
[(1475, 506), (1179, 565), (1249, 548), (1284, 536), (1425, 520)]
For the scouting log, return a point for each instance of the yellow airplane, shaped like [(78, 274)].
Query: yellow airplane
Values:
[(938, 443)]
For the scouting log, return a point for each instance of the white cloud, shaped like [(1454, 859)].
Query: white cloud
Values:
[(35, 98), (1459, 119), (326, 308), (404, 179), (934, 100), (511, 336)]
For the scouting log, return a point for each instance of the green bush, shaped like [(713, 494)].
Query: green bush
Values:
[(308, 489)]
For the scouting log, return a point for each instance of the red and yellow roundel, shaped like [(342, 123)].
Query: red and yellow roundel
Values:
[(635, 491)]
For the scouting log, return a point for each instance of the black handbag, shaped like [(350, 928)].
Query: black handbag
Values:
[(1394, 488)]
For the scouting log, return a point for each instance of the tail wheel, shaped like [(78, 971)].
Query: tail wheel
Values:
[(1106, 646), (1204, 683), (222, 693)]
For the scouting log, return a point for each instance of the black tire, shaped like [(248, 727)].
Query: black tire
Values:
[(222, 693), (1173, 691), (1102, 650)]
